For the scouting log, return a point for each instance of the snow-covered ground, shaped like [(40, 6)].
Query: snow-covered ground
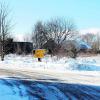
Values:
[(52, 63), (80, 70), (52, 79)]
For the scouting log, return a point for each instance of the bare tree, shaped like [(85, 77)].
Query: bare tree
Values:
[(96, 43), (88, 38), (93, 40), (59, 30), (4, 28), (53, 34), (39, 35)]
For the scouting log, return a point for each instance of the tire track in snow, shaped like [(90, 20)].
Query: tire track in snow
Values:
[(36, 90)]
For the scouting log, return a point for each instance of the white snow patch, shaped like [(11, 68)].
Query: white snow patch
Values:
[(52, 63)]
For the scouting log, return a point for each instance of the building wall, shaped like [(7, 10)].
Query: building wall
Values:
[(17, 47)]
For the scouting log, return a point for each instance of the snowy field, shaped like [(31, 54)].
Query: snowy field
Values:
[(52, 63), (52, 79), (56, 67)]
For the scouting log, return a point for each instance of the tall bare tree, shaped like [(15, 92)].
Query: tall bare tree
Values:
[(4, 28), (56, 29), (54, 33), (59, 30), (39, 35)]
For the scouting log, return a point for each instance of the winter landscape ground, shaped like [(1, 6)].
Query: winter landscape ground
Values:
[(24, 78), (49, 50)]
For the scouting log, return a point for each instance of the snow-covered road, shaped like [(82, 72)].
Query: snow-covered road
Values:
[(17, 89), (79, 77)]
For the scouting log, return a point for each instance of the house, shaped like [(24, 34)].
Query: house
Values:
[(22, 47), (17, 47)]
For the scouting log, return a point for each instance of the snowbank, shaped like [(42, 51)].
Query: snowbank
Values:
[(52, 63)]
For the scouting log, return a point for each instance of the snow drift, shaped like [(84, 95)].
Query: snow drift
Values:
[(52, 63)]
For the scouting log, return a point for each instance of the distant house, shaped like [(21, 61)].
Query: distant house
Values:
[(18, 47), (22, 47)]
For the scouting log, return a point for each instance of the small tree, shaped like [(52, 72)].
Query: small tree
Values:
[(4, 28), (93, 40), (96, 44)]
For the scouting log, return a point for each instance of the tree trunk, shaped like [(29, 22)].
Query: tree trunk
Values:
[(2, 52)]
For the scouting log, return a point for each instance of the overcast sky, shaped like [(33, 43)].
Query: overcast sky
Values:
[(25, 13)]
